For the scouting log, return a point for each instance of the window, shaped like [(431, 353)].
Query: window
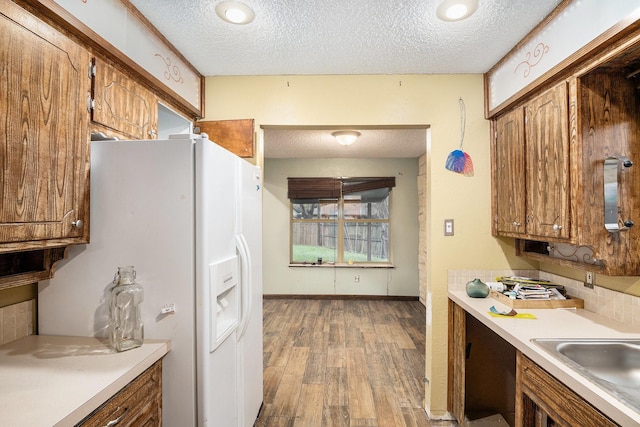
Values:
[(340, 220)]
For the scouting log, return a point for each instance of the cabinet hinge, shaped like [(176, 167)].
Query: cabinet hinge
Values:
[(91, 103), (92, 70)]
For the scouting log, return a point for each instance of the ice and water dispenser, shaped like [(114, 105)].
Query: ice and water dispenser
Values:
[(224, 281)]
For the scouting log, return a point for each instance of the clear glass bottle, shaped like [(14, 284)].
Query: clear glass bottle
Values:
[(126, 328)]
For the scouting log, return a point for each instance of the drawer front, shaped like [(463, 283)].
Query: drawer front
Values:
[(559, 402), (137, 404)]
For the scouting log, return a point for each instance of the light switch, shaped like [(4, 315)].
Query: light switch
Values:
[(448, 227)]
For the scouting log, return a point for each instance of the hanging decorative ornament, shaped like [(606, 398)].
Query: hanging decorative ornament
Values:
[(459, 161)]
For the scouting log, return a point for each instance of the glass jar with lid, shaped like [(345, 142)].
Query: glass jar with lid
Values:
[(126, 329)]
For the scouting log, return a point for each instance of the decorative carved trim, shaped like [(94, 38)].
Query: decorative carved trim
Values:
[(538, 52), (544, 255), (24, 268), (173, 71), (581, 254)]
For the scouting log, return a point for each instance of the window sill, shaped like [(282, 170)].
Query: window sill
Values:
[(343, 265)]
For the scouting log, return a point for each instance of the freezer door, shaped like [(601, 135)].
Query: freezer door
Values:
[(215, 213), (249, 334)]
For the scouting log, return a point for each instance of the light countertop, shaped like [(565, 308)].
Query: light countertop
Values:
[(557, 323), (57, 380)]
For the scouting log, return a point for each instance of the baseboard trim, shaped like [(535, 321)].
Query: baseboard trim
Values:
[(344, 297), (446, 417)]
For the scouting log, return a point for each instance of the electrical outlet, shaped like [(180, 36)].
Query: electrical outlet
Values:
[(356, 278), (589, 279), (448, 227)]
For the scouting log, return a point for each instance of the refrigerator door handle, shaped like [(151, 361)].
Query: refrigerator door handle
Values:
[(245, 284)]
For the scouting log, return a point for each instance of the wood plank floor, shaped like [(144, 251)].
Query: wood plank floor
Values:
[(343, 363)]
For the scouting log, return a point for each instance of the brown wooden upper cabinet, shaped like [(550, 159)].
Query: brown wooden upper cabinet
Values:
[(122, 106), (44, 140), (509, 174), (547, 164), (531, 168), (609, 108), (234, 135), (548, 161)]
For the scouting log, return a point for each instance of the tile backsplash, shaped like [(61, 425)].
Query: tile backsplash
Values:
[(614, 305), (16, 321)]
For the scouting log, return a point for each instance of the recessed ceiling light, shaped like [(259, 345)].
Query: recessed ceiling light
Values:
[(456, 10), (235, 12)]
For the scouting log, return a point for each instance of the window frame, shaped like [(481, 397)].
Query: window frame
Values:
[(339, 222)]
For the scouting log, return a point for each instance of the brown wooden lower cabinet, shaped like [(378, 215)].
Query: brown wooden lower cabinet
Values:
[(137, 404), (482, 370), (543, 401), (488, 376)]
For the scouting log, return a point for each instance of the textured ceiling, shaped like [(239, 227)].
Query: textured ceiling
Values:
[(343, 37), (320, 37), (283, 142)]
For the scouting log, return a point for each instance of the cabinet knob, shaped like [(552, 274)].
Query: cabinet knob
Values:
[(77, 223), (557, 227), (516, 224)]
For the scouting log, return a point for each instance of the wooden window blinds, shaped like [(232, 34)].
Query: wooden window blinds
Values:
[(334, 188)]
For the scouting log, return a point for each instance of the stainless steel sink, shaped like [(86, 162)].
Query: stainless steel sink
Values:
[(614, 365)]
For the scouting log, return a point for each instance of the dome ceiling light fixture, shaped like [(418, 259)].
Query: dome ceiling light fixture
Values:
[(346, 137), (456, 10), (235, 12)]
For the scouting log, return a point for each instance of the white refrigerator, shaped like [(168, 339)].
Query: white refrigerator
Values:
[(187, 214)]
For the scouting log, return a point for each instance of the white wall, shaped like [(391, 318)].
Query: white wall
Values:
[(171, 122), (279, 278)]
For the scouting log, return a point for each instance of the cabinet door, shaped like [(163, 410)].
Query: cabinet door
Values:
[(547, 164), (44, 140), (509, 167), (542, 400), (610, 128), (234, 135), (122, 104)]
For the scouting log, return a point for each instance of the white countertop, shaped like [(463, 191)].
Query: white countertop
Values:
[(557, 323), (57, 381)]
